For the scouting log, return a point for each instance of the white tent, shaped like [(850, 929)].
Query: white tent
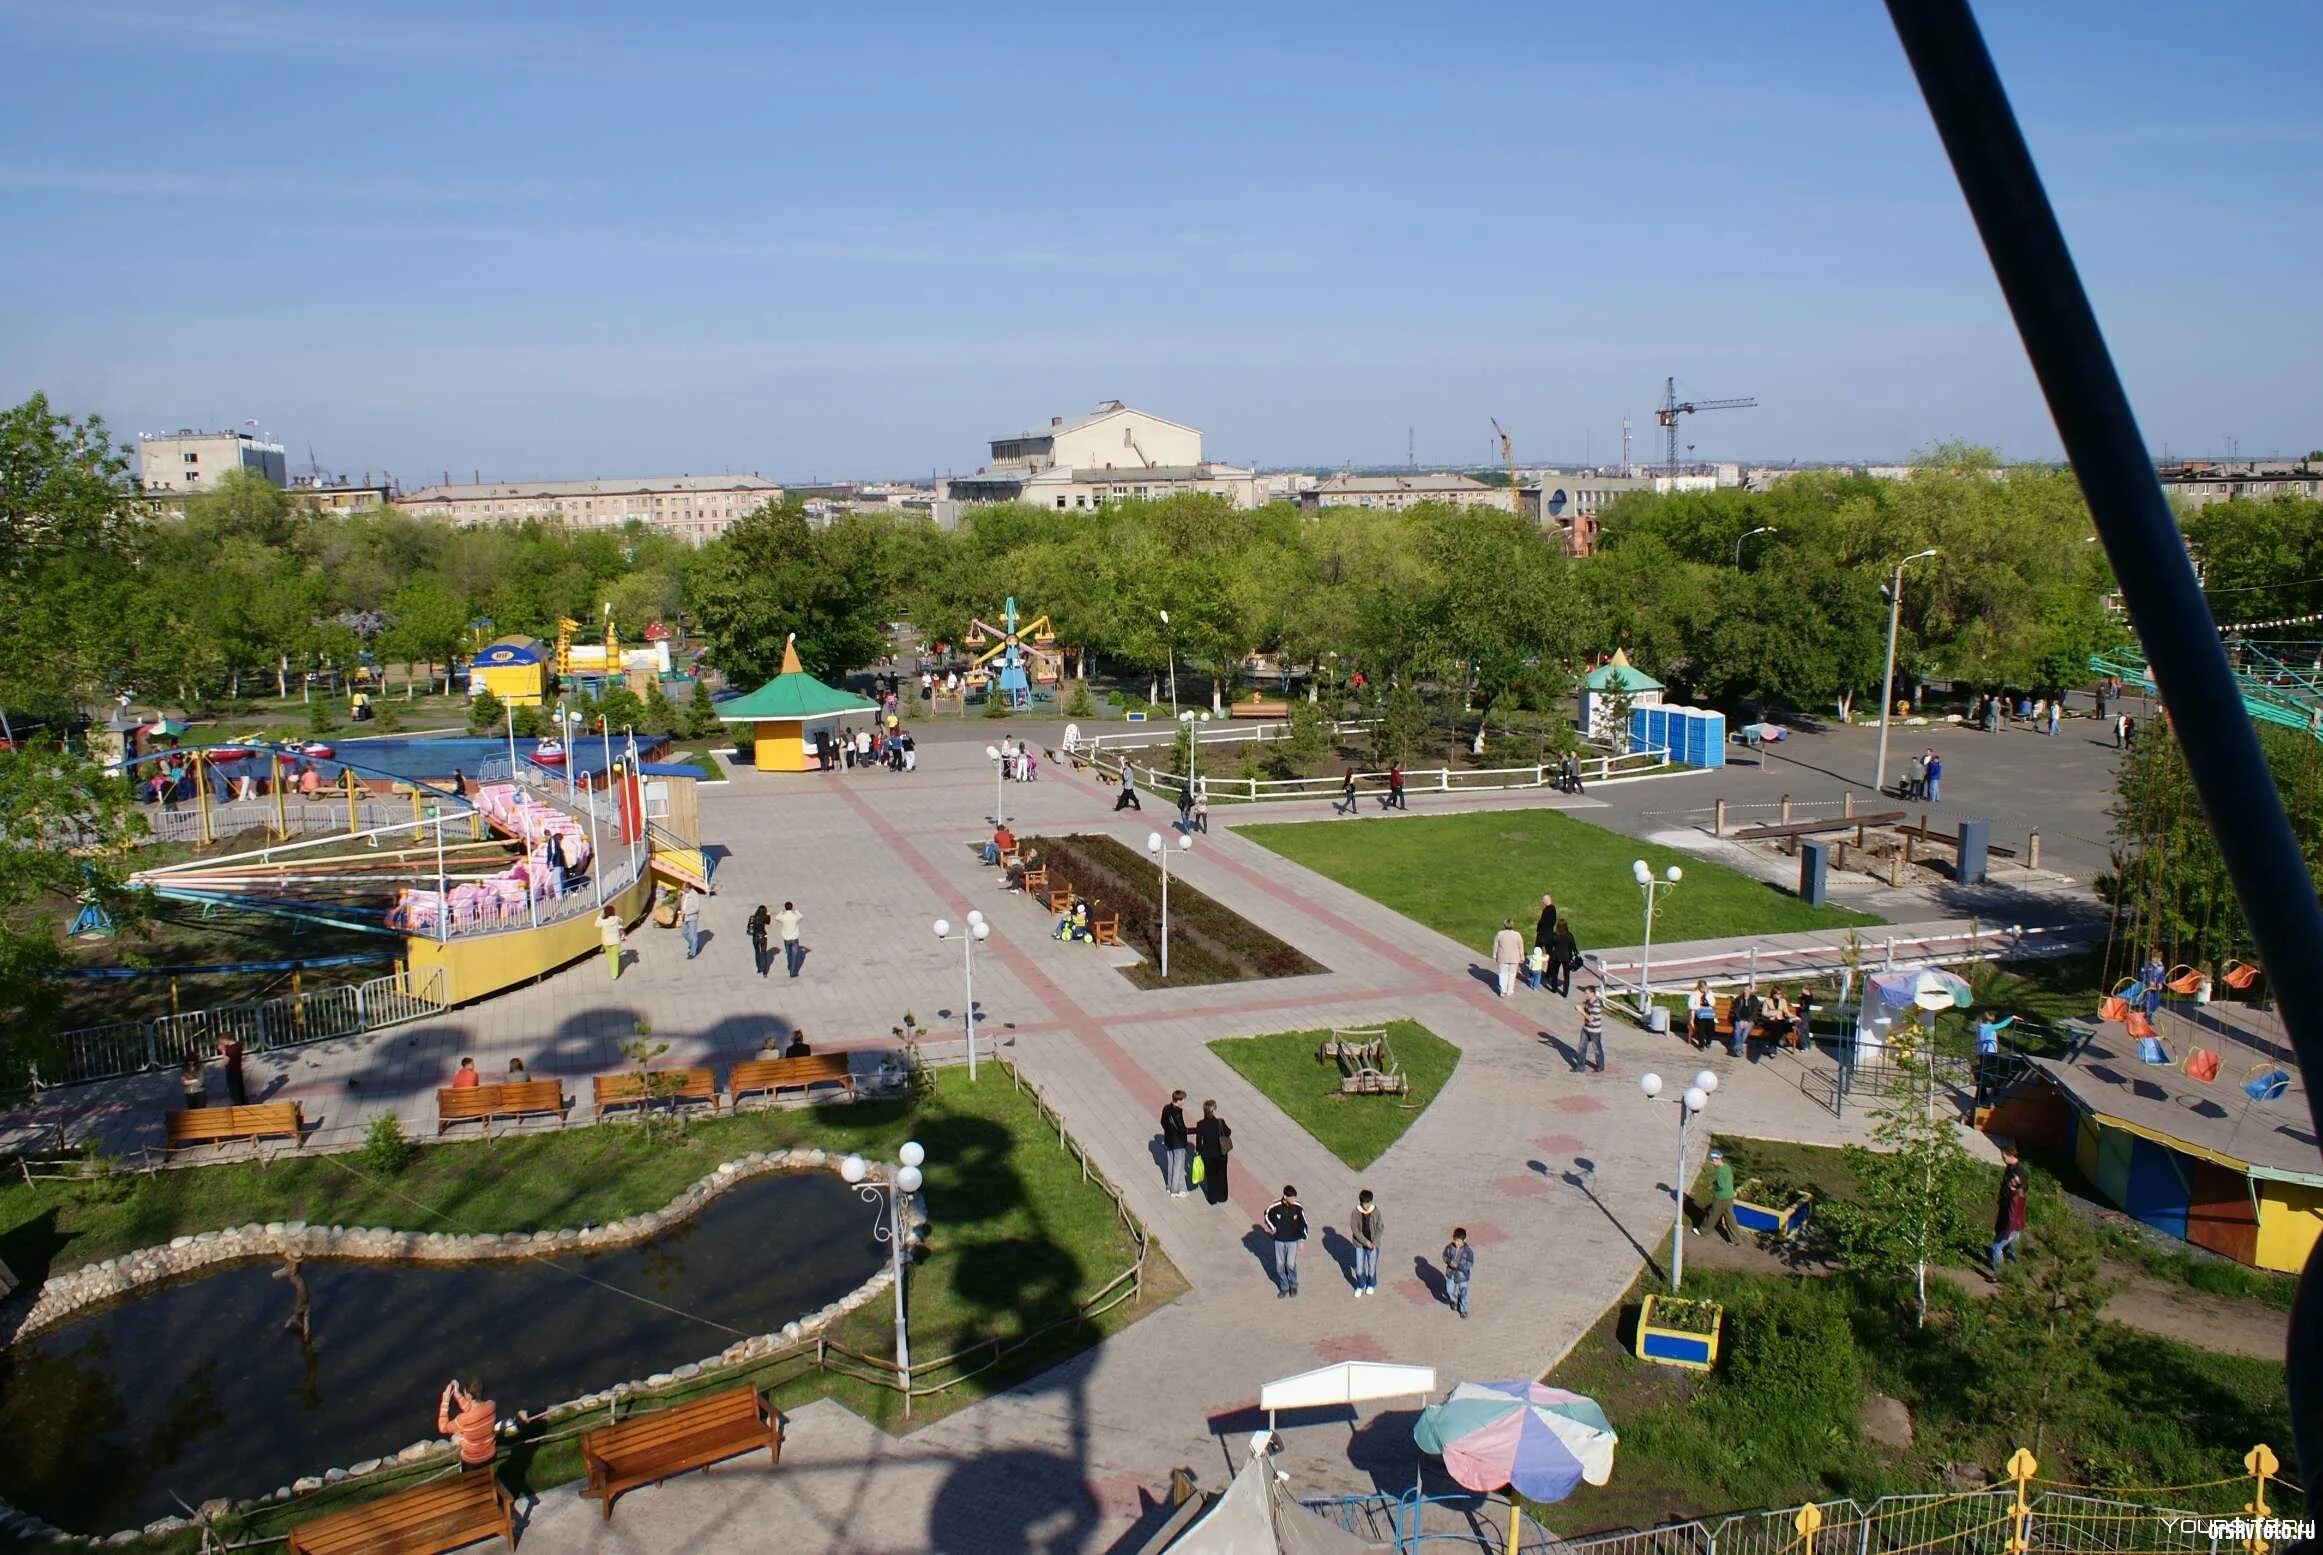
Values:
[(1258, 1516)]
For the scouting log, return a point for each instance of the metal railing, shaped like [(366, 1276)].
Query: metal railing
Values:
[(316, 1015), (1600, 768), (324, 813)]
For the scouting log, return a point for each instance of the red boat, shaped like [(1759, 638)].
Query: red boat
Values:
[(549, 753)]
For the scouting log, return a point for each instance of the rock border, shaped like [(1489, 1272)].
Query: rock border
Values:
[(68, 1295)]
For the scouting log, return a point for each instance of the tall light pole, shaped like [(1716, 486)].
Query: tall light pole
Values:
[(1887, 680), (1154, 846), (896, 1187), (1643, 874), (970, 932), (1763, 529), (1693, 1100), (999, 770), (1171, 633)]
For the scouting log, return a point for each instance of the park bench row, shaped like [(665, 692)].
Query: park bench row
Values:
[(1104, 928), (449, 1514)]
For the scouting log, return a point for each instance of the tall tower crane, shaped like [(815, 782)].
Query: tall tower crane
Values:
[(1666, 417), (1507, 458)]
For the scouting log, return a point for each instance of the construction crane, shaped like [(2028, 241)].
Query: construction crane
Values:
[(1507, 458), (1666, 417)]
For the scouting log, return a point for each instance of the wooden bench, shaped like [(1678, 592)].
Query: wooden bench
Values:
[(1105, 930), (1723, 1024), (1036, 880), (630, 1089), (1810, 828), (220, 1125), (775, 1075), (483, 1103), (1061, 899), (647, 1449), (1254, 708), (443, 1514)]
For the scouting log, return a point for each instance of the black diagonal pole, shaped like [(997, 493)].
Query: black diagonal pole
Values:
[(1995, 168)]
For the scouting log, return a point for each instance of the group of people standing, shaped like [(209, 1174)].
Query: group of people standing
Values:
[(889, 745)]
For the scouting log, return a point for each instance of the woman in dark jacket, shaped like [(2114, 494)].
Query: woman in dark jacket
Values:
[(1212, 1142)]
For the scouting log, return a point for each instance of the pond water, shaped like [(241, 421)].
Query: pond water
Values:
[(193, 1388)]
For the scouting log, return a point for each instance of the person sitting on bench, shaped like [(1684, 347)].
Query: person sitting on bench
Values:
[(1029, 859), (1075, 923), (1001, 844), (798, 1046)]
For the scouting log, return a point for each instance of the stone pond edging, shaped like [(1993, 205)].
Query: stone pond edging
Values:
[(67, 1295)]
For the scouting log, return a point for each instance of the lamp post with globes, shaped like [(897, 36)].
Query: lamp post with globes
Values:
[(1692, 1100), (895, 1186), (970, 933), (1161, 853), (999, 771), (1643, 874), (1887, 682), (1171, 633)]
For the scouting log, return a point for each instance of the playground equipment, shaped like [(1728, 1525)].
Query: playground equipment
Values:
[(1367, 1067), (1017, 646), (2281, 682)]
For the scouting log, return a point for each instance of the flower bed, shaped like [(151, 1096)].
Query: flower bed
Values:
[(1209, 943), (1676, 1332)]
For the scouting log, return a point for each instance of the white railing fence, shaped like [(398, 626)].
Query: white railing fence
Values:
[(1600, 767), (289, 1020)]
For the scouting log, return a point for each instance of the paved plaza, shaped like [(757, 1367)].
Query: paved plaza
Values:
[(1562, 1178)]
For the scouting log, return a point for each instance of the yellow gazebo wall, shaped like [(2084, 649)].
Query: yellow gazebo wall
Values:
[(517, 685), (784, 744), (2290, 1218)]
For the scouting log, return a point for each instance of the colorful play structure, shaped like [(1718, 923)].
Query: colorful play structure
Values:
[(2281, 681), (789, 714), (1027, 653), (514, 669)]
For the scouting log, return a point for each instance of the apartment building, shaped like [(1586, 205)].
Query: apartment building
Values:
[(694, 508), (184, 462)]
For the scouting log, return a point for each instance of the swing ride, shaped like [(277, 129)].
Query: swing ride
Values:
[(1027, 652)]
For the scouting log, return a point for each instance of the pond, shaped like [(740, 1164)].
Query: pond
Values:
[(193, 1389)]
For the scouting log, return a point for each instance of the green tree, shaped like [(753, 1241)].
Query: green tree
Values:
[(2035, 1343), (661, 714), (486, 713), (701, 721), (426, 622), (772, 574), (71, 527), (1305, 744), (1908, 1212)]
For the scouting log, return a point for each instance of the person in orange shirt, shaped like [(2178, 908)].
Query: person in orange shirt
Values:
[(467, 1078), (1003, 843), (471, 1421)]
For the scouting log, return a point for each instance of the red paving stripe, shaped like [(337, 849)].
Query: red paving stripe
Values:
[(1077, 1022)]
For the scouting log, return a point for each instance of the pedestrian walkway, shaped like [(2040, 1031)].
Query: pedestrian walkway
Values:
[(1562, 1178)]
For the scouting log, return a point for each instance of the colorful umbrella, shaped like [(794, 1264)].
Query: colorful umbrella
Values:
[(1539, 1441)]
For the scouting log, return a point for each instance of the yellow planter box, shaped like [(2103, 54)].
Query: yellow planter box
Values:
[(1669, 1346)]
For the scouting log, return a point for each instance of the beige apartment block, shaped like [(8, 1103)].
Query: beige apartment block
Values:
[(694, 508)]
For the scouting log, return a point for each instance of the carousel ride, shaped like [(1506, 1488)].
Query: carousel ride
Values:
[(1009, 659)]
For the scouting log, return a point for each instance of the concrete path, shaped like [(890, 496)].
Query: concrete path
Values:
[(1562, 1179)]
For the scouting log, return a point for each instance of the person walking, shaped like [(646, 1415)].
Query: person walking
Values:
[(1545, 926), (1935, 776), (2008, 1220), (1213, 1143), (2120, 730), (1564, 956), (690, 918), (1286, 1224), (1363, 1228), (1127, 798), (610, 934), (1202, 805), (1592, 1051), (1346, 804), (1459, 1269), (760, 926), (792, 951), (1186, 807), (237, 1089), (1507, 955), (1395, 786), (1174, 1145), (1719, 1212), (2054, 704)]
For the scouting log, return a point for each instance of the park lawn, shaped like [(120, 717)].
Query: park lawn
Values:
[(1356, 1129), (1462, 874), (1775, 1424)]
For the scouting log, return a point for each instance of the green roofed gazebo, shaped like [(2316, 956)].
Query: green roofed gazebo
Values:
[(1616, 677), (789, 713)]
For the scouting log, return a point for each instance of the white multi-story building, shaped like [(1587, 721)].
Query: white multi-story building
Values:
[(179, 463), (1396, 492), (691, 507), (1109, 455)]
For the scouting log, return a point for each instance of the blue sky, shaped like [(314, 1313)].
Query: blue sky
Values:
[(586, 238)]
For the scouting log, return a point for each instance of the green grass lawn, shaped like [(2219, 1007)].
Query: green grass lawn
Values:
[(1356, 1129), (1775, 1424), (1016, 1237), (1462, 874)]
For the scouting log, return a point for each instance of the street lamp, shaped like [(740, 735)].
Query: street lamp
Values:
[(1153, 845), (1695, 1097), (895, 1186), (1644, 876), (999, 770), (1172, 634), (970, 932), (1887, 683), (1763, 529)]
